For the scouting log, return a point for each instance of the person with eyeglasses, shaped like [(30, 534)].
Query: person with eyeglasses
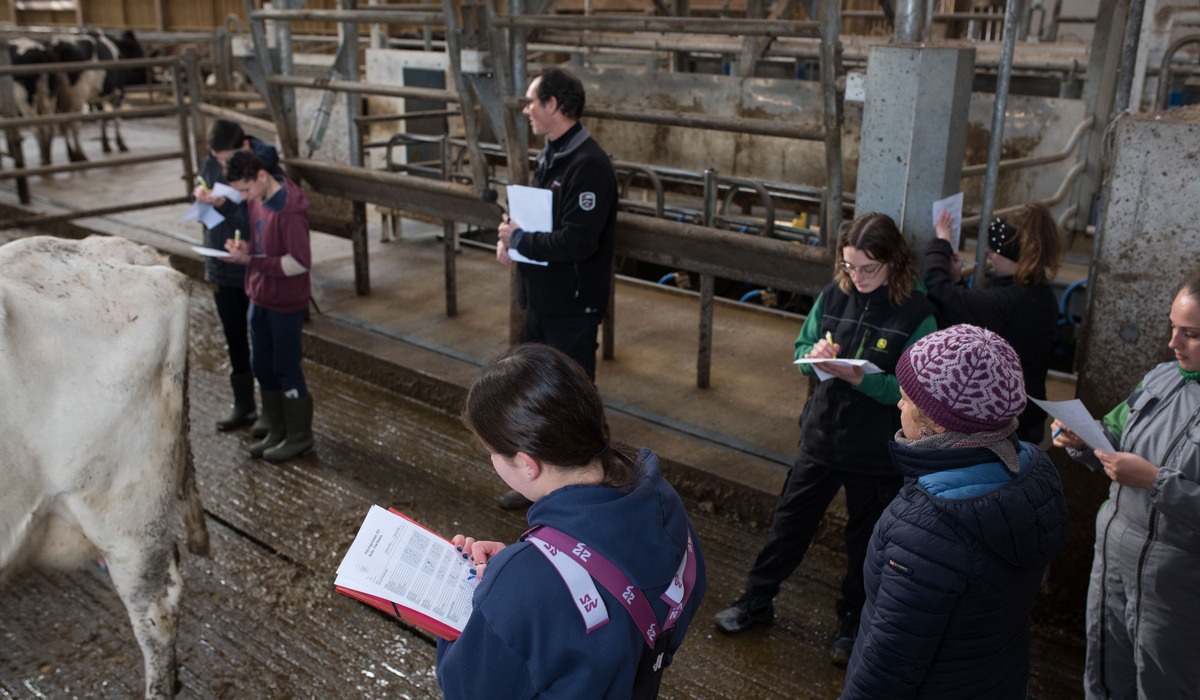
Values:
[(873, 310), (1024, 251)]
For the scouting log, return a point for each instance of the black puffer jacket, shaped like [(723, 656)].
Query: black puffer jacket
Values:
[(951, 575)]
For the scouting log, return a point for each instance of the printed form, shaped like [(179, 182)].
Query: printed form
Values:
[(400, 561)]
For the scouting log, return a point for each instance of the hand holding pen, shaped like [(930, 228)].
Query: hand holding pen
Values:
[(239, 250), (825, 348), (477, 552), (1063, 437)]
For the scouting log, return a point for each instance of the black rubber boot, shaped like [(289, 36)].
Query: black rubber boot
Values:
[(843, 639), (745, 612), (261, 427), (297, 416), (243, 402), (272, 408)]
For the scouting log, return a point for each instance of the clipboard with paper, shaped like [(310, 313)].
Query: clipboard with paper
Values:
[(533, 209)]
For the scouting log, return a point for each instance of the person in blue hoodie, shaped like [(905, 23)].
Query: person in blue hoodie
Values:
[(956, 561), (537, 413)]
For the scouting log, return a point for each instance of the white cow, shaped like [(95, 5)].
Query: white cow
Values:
[(94, 451)]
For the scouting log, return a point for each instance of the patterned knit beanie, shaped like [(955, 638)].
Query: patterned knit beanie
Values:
[(967, 379)]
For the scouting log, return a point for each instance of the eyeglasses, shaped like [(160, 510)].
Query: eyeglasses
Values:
[(865, 270)]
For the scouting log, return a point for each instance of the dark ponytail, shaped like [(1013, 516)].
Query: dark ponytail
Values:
[(536, 400)]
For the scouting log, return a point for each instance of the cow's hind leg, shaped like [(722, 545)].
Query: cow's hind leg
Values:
[(145, 572), (150, 586)]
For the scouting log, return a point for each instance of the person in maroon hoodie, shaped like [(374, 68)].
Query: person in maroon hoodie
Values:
[(277, 258)]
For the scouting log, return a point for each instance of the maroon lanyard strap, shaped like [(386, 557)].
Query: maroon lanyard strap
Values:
[(617, 582)]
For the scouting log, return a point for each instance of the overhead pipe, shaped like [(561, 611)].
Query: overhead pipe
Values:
[(667, 25), (910, 21)]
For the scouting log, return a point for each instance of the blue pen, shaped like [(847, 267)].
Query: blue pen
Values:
[(1057, 432)]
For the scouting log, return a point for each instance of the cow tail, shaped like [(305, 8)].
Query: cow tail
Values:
[(189, 493)]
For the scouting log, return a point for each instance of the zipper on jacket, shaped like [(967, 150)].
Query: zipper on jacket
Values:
[(1152, 524), (859, 329)]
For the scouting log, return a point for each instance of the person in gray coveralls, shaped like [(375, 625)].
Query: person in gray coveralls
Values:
[(1143, 618)]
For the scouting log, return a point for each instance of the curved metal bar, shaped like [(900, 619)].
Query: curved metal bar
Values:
[(655, 182), (1164, 69), (1058, 196), (740, 185), (1016, 163)]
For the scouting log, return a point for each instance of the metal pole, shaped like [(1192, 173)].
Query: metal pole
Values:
[(189, 172), (996, 140), (199, 133), (910, 18), (1133, 31), (831, 64), (707, 288)]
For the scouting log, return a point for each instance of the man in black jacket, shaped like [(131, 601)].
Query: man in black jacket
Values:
[(565, 299)]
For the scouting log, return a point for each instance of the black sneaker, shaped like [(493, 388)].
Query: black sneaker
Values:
[(843, 640), (744, 612)]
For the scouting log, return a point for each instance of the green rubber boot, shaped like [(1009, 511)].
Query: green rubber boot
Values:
[(297, 415), (243, 402), (272, 408)]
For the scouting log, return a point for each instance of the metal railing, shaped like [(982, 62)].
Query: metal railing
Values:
[(11, 124)]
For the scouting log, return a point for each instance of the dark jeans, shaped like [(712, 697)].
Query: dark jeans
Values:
[(809, 489), (275, 350), (232, 308), (573, 334)]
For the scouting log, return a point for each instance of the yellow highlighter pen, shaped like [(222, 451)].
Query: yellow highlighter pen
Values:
[(829, 338)]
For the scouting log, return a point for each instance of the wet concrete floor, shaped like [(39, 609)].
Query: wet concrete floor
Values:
[(260, 617)]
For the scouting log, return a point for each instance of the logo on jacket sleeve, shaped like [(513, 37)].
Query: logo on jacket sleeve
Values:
[(881, 344), (587, 201)]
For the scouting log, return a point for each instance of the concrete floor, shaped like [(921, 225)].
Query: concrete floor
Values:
[(726, 447)]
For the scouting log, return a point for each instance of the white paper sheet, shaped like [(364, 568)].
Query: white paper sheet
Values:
[(205, 214), (210, 252), (222, 190), (868, 366), (1075, 416), (954, 205), (533, 210), (515, 256), (398, 560)]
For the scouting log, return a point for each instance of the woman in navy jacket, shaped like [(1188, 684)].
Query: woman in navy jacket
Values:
[(540, 417), (956, 561)]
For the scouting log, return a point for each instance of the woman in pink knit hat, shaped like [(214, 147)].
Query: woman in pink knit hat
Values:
[(955, 562)]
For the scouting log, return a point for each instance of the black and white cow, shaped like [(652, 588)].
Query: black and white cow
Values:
[(33, 91), (95, 457), (79, 91)]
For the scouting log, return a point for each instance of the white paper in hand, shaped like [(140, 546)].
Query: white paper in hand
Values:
[(954, 205), (1075, 416), (867, 366), (220, 189), (532, 208)]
